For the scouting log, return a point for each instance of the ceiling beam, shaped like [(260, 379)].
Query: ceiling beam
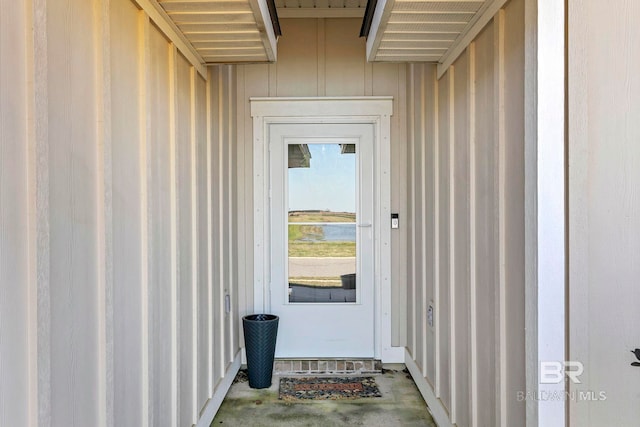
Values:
[(378, 26), (329, 12), (265, 27)]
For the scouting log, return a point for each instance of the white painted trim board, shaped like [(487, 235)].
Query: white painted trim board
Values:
[(211, 408), (437, 409)]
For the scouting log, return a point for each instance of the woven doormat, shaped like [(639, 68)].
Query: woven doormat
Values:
[(328, 388)]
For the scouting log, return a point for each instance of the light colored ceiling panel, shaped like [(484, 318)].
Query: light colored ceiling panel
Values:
[(204, 45), (428, 30), (213, 18), (315, 4), (234, 31), (408, 17), (321, 8), (415, 44), (247, 36), (405, 58), (412, 52), (225, 31), (355, 3), (209, 6), (212, 30), (438, 6), (310, 3), (419, 37), (427, 27)]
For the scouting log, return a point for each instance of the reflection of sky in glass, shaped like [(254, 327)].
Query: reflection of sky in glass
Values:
[(329, 184)]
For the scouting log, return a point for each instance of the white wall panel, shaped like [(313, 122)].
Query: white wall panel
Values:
[(344, 63), (128, 214), (161, 263), (514, 210), (604, 207), (460, 284), (73, 203), (226, 222), (186, 255), (15, 236), (217, 261), (224, 217), (443, 241), (204, 291), (472, 209), (486, 209), (429, 96), (298, 69), (235, 322), (422, 202), (252, 81), (411, 215), (106, 314), (419, 300)]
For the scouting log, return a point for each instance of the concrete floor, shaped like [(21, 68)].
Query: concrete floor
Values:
[(400, 405)]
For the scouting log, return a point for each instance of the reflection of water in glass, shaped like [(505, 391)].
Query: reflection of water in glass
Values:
[(321, 222), (328, 232), (339, 232)]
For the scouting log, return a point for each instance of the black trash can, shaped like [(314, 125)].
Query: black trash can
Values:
[(260, 331)]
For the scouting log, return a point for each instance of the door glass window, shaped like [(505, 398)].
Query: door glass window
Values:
[(322, 188)]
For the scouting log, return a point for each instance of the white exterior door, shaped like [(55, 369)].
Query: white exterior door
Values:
[(321, 184)]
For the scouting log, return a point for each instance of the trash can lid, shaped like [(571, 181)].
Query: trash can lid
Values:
[(260, 317)]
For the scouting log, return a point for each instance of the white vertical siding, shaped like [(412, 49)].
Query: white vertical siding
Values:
[(225, 283), (234, 322), (204, 283), (161, 261), (460, 284), (486, 218), (107, 221), (604, 208), (422, 134), (186, 253), (73, 214), (468, 197), (252, 81), (217, 138), (129, 213), (513, 213), (16, 195), (429, 205), (443, 243)]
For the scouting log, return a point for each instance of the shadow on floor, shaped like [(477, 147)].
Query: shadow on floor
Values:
[(400, 405)]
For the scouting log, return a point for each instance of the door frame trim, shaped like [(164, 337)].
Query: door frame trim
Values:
[(346, 110)]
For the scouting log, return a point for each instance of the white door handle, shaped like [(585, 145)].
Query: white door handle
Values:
[(367, 224)]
